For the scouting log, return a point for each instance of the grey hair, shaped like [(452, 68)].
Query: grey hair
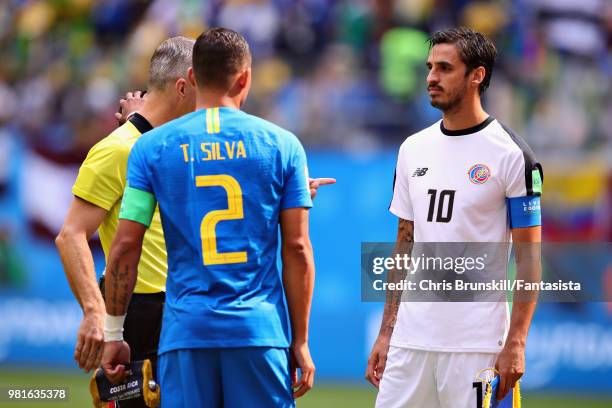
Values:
[(170, 61)]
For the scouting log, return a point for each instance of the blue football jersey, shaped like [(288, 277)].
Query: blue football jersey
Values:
[(221, 178)]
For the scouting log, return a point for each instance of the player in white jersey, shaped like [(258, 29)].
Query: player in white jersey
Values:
[(466, 178)]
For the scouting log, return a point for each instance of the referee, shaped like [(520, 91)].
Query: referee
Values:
[(97, 197)]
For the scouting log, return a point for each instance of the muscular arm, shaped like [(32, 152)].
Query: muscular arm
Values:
[(298, 280), (511, 360), (403, 244), (378, 357), (122, 268), (121, 273), (528, 267), (82, 221)]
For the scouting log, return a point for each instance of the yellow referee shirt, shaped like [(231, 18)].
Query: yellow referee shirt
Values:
[(101, 182)]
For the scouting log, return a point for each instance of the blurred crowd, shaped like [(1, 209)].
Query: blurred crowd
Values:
[(340, 74), (345, 75)]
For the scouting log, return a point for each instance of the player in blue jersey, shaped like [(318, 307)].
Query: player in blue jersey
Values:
[(224, 181)]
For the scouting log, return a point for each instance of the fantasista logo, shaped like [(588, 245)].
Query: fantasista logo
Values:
[(479, 173)]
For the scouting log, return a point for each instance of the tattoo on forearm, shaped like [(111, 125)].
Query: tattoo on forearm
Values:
[(120, 293), (404, 243), (111, 290)]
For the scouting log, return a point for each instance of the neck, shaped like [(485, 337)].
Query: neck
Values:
[(468, 113), (156, 109), (210, 99)]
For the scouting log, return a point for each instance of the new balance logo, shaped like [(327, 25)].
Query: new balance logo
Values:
[(420, 171)]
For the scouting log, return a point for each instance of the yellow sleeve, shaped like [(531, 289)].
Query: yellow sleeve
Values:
[(101, 178)]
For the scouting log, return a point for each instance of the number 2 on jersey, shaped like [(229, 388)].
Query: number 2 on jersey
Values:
[(234, 211)]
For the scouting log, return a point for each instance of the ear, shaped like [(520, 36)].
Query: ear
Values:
[(478, 75), (244, 78), (191, 76), (180, 85)]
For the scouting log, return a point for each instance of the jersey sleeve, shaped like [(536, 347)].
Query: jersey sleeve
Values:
[(401, 206), (138, 201), (524, 178), (296, 190), (101, 178)]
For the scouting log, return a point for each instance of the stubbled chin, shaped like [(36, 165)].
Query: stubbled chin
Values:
[(436, 103)]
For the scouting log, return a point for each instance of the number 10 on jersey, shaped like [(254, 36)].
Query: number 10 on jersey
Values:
[(442, 198), (208, 226)]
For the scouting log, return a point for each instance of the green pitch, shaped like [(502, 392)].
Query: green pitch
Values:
[(322, 396)]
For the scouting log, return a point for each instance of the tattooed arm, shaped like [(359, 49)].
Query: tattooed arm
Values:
[(121, 272), (511, 360), (122, 266), (378, 356)]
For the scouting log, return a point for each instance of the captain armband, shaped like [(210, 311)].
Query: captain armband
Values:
[(138, 206), (524, 211)]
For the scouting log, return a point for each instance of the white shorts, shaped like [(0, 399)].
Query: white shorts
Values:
[(429, 379)]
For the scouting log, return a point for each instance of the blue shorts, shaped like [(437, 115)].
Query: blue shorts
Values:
[(225, 378)]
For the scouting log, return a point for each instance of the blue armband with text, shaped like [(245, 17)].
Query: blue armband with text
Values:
[(524, 212)]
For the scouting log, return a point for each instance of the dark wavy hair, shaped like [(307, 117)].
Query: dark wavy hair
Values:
[(475, 50)]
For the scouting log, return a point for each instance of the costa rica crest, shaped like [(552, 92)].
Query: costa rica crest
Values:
[(479, 173)]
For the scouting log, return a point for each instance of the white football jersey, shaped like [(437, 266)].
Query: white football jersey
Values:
[(454, 185)]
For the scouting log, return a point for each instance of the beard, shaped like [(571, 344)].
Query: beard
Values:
[(453, 101)]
